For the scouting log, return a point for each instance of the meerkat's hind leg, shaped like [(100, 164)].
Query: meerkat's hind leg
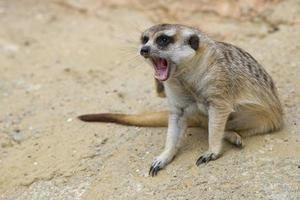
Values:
[(249, 124), (234, 138)]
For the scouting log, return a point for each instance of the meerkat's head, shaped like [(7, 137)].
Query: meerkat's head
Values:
[(169, 47)]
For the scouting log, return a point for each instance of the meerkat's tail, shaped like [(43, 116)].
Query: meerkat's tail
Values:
[(151, 119), (154, 119)]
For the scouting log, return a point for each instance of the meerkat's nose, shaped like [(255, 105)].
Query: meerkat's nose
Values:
[(145, 51)]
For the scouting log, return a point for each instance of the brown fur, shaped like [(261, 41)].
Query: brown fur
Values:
[(160, 90), (149, 119)]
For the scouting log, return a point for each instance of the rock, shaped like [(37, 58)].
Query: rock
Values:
[(17, 136)]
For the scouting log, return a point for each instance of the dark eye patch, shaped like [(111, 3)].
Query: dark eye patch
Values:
[(144, 39), (164, 40), (194, 42)]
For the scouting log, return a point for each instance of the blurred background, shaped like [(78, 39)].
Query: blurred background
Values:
[(62, 58)]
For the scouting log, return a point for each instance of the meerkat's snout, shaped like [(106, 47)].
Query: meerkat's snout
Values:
[(160, 63), (145, 51)]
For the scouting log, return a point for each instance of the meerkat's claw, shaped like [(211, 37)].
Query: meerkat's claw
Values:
[(160, 162), (234, 138), (206, 158), (240, 144), (155, 167)]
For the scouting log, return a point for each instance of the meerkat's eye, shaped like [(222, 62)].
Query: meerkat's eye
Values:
[(164, 40), (145, 39)]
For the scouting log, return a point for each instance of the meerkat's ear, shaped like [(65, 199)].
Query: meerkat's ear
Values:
[(194, 42)]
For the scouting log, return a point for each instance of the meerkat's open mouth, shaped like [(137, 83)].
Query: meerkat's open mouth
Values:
[(161, 67)]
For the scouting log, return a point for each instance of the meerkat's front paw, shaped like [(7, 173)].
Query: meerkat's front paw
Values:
[(158, 163), (208, 156), (155, 167)]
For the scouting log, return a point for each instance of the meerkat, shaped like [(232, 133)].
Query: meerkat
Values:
[(207, 83)]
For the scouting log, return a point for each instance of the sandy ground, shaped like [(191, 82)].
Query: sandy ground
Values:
[(59, 59)]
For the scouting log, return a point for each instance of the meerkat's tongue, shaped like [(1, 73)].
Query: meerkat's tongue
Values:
[(161, 69)]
